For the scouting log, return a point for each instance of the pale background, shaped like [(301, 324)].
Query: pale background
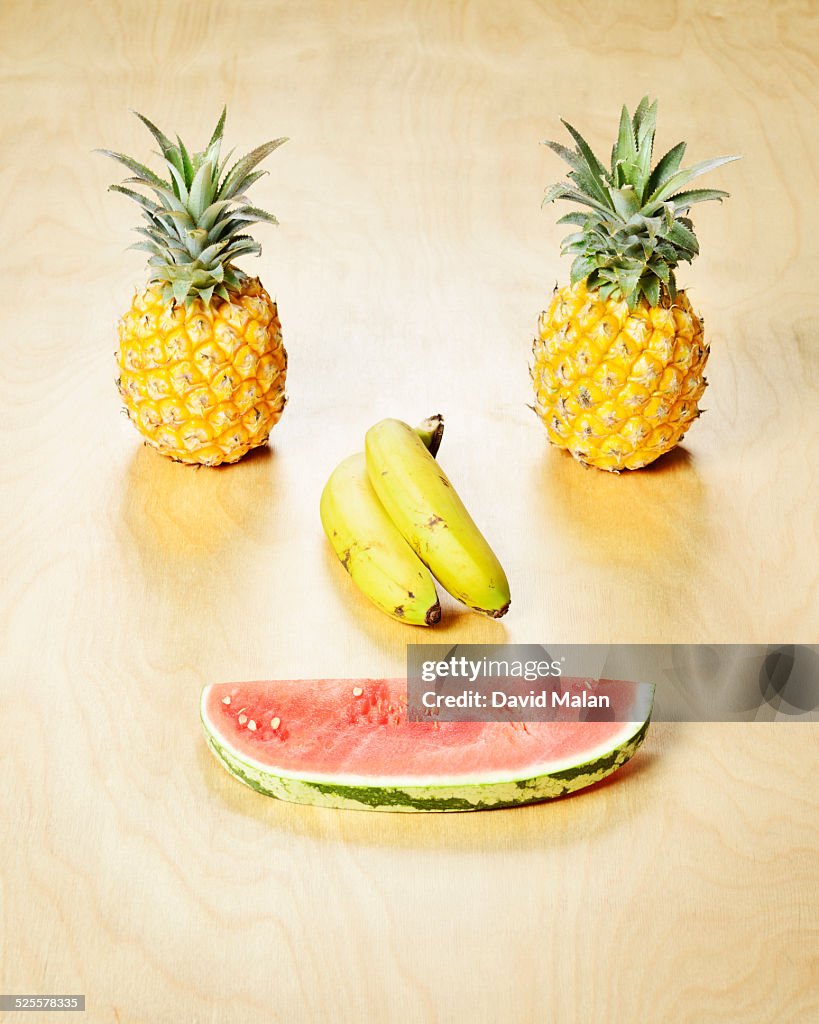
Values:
[(410, 266)]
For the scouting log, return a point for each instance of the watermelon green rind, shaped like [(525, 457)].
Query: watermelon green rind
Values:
[(441, 795)]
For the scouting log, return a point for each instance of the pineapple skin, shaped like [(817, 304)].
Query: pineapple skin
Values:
[(206, 383), (617, 387)]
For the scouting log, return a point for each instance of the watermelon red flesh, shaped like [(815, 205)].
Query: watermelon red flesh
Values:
[(347, 728)]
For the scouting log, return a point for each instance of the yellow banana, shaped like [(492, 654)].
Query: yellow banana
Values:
[(425, 507), (369, 545)]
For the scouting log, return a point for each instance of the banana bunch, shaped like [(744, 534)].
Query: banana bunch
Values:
[(395, 521)]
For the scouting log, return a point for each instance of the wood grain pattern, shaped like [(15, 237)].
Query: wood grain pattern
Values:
[(411, 264)]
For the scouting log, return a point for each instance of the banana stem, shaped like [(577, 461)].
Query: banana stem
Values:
[(431, 430)]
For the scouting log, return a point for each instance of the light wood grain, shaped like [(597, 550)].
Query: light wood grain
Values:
[(412, 261)]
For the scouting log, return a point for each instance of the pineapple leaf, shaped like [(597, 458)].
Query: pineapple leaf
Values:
[(569, 155), (667, 165), (180, 290), (182, 218), (200, 278), (209, 254), (628, 286), (169, 198), (253, 215), (233, 276), (594, 165), (147, 204), (151, 233), (682, 238), (672, 284), (187, 166), (560, 190), (244, 248), (639, 224), (201, 191), (236, 176), (216, 138), (179, 187), (163, 141), (147, 247), (563, 190), (576, 217), (213, 213), (644, 129), (576, 238), (228, 227), (676, 181), (195, 241), (141, 172), (626, 148), (581, 268), (626, 201), (651, 289), (180, 254), (641, 114), (682, 200), (581, 174), (163, 220), (173, 158), (222, 164), (245, 185)]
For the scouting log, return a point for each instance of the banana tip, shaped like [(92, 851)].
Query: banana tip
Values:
[(500, 612), (433, 615)]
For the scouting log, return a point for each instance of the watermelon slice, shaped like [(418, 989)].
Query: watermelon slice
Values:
[(349, 743)]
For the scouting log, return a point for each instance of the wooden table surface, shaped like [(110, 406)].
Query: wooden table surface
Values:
[(410, 266)]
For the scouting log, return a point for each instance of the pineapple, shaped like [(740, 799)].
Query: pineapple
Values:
[(201, 359), (619, 355)]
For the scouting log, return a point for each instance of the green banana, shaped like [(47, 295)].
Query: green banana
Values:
[(371, 549), (424, 506)]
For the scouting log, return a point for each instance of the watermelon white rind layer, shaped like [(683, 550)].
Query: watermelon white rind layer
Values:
[(492, 790)]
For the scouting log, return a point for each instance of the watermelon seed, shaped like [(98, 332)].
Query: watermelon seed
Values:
[(251, 725), (275, 723), (242, 719), (357, 691), (226, 700)]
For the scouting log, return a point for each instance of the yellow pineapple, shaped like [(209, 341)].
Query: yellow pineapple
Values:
[(619, 355), (201, 359)]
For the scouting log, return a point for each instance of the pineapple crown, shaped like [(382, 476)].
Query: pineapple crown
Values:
[(635, 229), (195, 228)]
